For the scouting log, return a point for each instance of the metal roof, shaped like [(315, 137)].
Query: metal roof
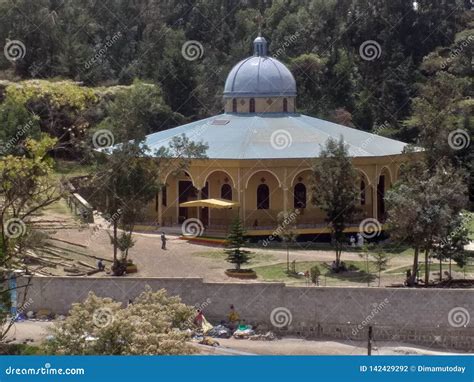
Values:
[(260, 76), (274, 136)]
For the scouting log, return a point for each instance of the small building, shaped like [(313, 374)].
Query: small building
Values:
[(260, 155)]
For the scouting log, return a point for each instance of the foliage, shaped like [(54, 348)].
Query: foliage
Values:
[(315, 273), (128, 177), (17, 124), (422, 205), (380, 260), (334, 190), (451, 246), (235, 241), (60, 108), (126, 181), (144, 40), (153, 324), (26, 187), (286, 230), (141, 106)]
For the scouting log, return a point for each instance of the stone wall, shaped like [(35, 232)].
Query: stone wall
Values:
[(442, 318)]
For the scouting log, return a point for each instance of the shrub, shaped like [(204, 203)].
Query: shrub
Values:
[(315, 273), (153, 324)]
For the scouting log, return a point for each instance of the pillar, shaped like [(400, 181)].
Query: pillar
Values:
[(374, 201), (160, 208), (285, 191), (199, 197), (375, 183)]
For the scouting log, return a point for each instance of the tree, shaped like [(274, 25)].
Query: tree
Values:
[(451, 247), (439, 110), (334, 190), (381, 260), (286, 231), (154, 324), (125, 182), (61, 109), (235, 241), (17, 124), (422, 205), (142, 107), (26, 188), (128, 178), (314, 274)]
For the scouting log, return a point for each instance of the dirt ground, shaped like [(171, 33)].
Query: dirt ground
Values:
[(179, 259), (35, 332), (86, 243)]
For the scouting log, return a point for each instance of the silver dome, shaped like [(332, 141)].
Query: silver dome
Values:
[(260, 76)]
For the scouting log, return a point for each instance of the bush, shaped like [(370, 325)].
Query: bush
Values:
[(315, 273), (153, 324)]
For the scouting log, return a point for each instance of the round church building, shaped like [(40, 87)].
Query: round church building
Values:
[(260, 155)]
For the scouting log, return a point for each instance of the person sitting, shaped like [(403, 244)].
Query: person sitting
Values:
[(233, 318), (199, 318), (100, 265)]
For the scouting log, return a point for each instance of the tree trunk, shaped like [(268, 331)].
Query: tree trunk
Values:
[(440, 269), (115, 241), (287, 258), (427, 267), (411, 281), (338, 255)]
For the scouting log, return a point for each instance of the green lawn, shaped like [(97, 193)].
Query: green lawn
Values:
[(254, 259), (471, 229), (390, 249), (71, 169), (434, 268), (356, 274)]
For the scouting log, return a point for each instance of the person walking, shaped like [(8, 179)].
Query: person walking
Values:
[(163, 241)]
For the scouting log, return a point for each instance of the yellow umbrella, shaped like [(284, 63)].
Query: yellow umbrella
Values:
[(211, 203)]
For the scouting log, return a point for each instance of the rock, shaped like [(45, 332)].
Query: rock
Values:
[(61, 317), (30, 314)]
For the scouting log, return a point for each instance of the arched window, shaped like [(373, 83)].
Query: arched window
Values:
[(252, 105), (234, 105), (226, 192), (285, 105), (362, 193), (299, 194), (263, 197)]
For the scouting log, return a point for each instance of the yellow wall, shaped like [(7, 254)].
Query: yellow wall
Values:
[(262, 105), (280, 175)]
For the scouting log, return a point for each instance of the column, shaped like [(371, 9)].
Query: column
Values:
[(375, 183), (160, 208), (374, 201), (199, 197), (285, 191)]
